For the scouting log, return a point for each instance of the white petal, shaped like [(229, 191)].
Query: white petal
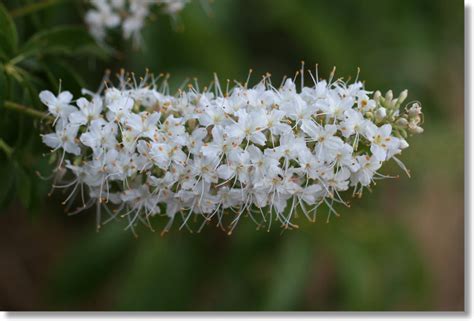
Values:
[(65, 97), (52, 140), (225, 172), (47, 98), (258, 138)]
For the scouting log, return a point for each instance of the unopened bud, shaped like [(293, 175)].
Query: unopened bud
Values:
[(414, 110), (414, 128), (393, 103), (402, 122), (389, 96), (418, 130), (380, 114), (377, 95), (403, 95)]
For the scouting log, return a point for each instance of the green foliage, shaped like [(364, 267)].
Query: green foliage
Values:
[(3, 87), (33, 59), (8, 36), (62, 40)]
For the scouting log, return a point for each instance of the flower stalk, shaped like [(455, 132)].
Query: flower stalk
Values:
[(10, 105), (7, 149), (34, 7)]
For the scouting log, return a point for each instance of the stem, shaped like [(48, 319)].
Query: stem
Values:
[(6, 148), (33, 7), (26, 110)]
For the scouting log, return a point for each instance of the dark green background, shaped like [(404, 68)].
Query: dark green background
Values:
[(398, 248)]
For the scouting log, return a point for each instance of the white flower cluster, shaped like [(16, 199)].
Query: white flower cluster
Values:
[(128, 15), (264, 152)]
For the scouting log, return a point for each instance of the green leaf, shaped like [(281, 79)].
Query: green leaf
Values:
[(66, 40), (28, 83), (8, 34), (3, 86), (58, 70)]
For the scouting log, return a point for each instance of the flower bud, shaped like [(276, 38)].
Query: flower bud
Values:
[(403, 95), (389, 96), (416, 119), (414, 128), (380, 114), (377, 95), (402, 122), (414, 110), (417, 130), (393, 103)]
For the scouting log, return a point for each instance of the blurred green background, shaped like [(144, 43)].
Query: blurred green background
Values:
[(400, 247)]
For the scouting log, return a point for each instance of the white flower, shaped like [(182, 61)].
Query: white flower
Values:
[(290, 146), (205, 167), (143, 124), (64, 137), (212, 115), (344, 157), (381, 140), (249, 126), (368, 166), (101, 19), (140, 199), (310, 194), (195, 140), (160, 154), (100, 136), (173, 6), (327, 144), (339, 181), (229, 197), (294, 106), (365, 104), (59, 106), (237, 166), (260, 152), (221, 143), (353, 123), (88, 111), (263, 165), (310, 165), (335, 106), (274, 124), (119, 108), (128, 15)]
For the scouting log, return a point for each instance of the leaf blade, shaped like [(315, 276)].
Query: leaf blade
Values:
[(9, 35), (67, 40)]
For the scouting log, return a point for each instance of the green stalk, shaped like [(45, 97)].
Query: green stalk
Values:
[(33, 7), (26, 110), (6, 148)]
